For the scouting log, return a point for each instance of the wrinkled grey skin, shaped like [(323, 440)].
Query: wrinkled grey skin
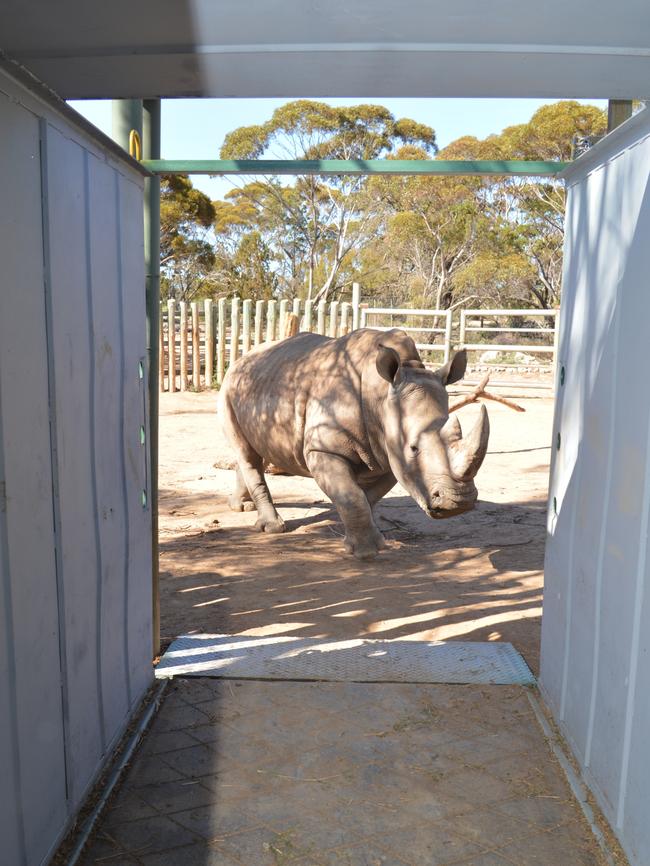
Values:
[(357, 414)]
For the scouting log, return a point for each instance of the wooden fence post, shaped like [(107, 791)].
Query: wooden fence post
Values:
[(320, 327), (234, 331), (183, 307), (259, 322), (221, 341), (171, 345), (461, 330), (356, 305), (284, 309), (346, 307), (334, 319), (209, 342), (448, 329), (270, 322), (161, 350), (247, 310), (291, 326), (307, 320), (196, 347)]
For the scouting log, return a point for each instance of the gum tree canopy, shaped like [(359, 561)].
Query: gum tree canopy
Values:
[(426, 241), (317, 224)]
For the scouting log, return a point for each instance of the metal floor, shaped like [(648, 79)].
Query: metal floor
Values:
[(343, 774)]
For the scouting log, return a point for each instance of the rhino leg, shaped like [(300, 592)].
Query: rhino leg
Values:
[(241, 500), (378, 488), (335, 477), (251, 470)]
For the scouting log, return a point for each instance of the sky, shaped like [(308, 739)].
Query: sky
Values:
[(196, 128)]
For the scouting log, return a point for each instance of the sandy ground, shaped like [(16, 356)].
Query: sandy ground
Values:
[(473, 577)]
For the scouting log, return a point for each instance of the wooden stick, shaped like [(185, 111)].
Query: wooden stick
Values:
[(183, 307), (480, 393), (247, 313), (196, 346), (291, 327), (282, 324), (488, 396), (259, 322), (221, 341), (161, 351), (234, 330), (270, 321), (334, 319), (171, 345), (209, 342)]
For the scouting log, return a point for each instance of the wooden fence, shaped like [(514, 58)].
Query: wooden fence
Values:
[(199, 340), (208, 336)]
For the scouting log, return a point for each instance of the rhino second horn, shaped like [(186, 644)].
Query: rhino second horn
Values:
[(452, 432), (467, 454)]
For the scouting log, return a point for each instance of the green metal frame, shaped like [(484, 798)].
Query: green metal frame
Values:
[(144, 118), (523, 168)]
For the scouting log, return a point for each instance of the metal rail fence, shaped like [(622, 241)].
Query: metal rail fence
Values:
[(422, 326)]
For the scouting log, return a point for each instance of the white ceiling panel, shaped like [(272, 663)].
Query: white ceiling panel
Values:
[(328, 48)]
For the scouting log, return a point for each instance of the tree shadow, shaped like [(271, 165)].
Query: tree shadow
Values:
[(473, 577)]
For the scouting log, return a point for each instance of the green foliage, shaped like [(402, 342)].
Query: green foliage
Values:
[(438, 241), (187, 255), (251, 274), (315, 226)]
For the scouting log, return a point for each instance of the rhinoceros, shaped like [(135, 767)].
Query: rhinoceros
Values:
[(357, 414)]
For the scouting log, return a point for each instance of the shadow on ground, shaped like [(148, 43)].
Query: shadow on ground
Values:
[(474, 577)]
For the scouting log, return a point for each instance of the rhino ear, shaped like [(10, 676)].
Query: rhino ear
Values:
[(388, 364), (454, 369)]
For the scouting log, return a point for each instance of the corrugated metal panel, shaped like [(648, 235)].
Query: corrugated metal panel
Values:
[(35, 731), (75, 615), (594, 655)]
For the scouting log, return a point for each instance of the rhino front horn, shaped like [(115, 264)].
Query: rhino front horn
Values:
[(467, 454)]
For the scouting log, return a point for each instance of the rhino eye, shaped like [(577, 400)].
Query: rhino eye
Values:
[(415, 449)]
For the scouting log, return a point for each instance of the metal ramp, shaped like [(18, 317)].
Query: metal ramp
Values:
[(359, 660)]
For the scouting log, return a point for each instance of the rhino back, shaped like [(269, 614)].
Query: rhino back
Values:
[(312, 392)]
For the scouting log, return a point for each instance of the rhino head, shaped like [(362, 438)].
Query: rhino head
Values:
[(425, 446)]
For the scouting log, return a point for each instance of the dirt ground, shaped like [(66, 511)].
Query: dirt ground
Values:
[(474, 577)]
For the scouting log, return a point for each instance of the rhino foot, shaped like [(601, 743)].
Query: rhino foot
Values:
[(237, 504), (367, 547), (273, 525)]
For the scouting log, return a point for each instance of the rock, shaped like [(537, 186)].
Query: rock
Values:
[(489, 357), (523, 358), (225, 463)]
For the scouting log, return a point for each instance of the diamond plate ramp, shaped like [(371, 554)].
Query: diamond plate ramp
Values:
[(288, 658)]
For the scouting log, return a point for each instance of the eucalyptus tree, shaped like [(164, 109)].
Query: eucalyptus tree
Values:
[(316, 225)]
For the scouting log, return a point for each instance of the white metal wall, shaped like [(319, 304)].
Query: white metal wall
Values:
[(75, 554), (596, 624)]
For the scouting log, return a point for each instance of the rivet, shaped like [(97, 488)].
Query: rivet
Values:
[(559, 441), (562, 375)]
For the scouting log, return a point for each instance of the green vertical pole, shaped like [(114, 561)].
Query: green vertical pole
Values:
[(127, 115), (130, 114), (151, 150)]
